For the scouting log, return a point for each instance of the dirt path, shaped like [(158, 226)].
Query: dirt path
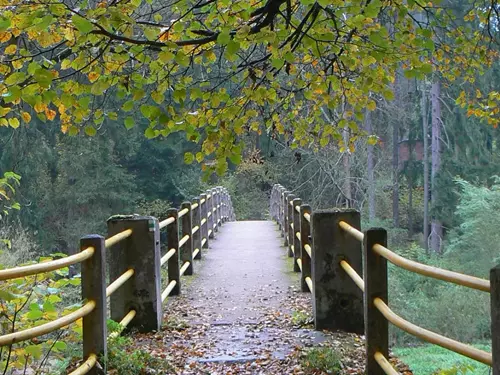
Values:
[(242, 312)]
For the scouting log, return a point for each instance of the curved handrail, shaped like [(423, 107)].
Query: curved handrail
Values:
[(43, 329), (422, 269), (52, 265)]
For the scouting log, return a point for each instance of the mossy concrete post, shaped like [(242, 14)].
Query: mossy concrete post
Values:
[(495, 318), (173, 244), (291, 230), (94, 289), (140, 252), (337, 301), (284, 233), (305, 233), (197, 223), (375, 277), (296, 229), (187, 229), (204, 226)]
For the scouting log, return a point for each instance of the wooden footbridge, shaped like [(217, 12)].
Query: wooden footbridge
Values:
[(123, 276)]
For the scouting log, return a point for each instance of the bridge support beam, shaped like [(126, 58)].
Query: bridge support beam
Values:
[(140, 252), (337, 302)]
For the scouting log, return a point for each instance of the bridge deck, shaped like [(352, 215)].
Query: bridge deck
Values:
[(241, 311)]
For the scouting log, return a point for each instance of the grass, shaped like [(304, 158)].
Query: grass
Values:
[(432, 359)]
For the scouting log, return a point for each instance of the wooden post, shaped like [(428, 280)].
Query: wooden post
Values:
[(196, 221), (94, 289), (204, 226), (375, 277), (210, 214), (337, 302), (285, 217), (291, 234), (173, 243), (280, 209), (187, 229), (217, 207), (140, 252), (495, 318), (305, 233), (296, 229)]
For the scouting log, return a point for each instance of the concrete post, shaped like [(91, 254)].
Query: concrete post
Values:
[(337, 302), (196, 222), (296, 225), (187, 229), (495, 318), (280, 208), (94, 289), (173, 243), (140, 252), (375, 277), (305, 233), (204, 226), (291, 234)]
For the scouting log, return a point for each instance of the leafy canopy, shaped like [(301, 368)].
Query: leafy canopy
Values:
[(215, 70)]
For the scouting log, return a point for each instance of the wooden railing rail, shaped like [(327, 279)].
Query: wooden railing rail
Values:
[(134, 267), (338, 253)]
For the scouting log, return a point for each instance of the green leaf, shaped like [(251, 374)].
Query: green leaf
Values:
[(277, 63), (224, 37), (7, 296), (34, 314), (188, 158), (150, 133), (90, 130), (60, 345), (4, 23), (83, 25), (128, 106), (129, 122)]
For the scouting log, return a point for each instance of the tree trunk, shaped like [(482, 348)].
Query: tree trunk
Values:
[(425, 161), (436, 235), (370, 167), (347, 170), (395, 171)]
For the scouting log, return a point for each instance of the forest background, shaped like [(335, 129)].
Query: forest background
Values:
[(415, 157)]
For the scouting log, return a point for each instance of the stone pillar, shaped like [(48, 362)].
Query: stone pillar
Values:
[(337, 302), (141, 252)]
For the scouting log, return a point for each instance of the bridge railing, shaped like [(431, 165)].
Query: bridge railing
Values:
[(135, 265), (331, 253)]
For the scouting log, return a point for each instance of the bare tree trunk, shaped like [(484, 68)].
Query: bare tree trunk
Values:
[(425, 132), (436, 235), (370, 167), (347, 169), (395, 171)]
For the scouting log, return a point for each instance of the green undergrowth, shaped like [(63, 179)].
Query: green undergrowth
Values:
[(322, 359), (125, 359), (434, 360)]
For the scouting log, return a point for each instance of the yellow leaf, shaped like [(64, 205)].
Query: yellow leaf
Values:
[(14, 122), (10, 50), (26, 117), (93, 76), (51, 114)]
